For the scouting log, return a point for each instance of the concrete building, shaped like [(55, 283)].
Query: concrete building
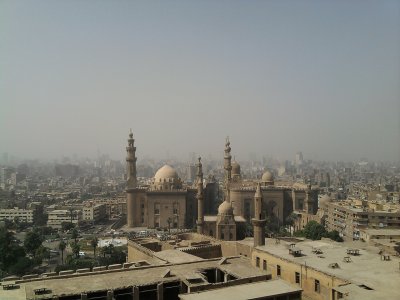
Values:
[(329, 270), (350, 216), (94, 212), (23, 215), (142, 280), (57, 217)]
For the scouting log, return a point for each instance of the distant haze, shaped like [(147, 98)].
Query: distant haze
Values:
[(321, 77)]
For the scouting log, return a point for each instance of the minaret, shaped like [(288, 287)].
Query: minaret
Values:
[(259, 220), (227, 162), (131, 182), (131, 162), (200, 198), (308, 201)]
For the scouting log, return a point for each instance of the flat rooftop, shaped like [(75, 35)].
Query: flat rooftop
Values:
[(366, 269), (176, 256), (238, 267), (245, 291)]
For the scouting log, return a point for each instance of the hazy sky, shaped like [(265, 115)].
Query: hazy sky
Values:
[(319, 76)]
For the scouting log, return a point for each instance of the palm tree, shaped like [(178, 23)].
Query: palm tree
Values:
[(62, 247), (71, 213), (94, 242), (169, 221), (75, 235)]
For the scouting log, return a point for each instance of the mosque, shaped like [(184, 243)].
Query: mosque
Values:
[(170, 203)]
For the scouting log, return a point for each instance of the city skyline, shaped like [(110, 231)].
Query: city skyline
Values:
[(277, 77)]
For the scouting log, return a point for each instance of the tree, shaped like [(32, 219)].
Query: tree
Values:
[(75, 235), (314, 231), (39, 216), (67, 226), (71, 213), (62, 247), (21, 266), (10, 251), (75, 249), (94, 242), (334, 235), (33, 241), (169, 221)]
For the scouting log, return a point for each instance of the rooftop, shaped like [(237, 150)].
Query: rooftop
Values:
[(366, 269), (238, 267), (245, 291)]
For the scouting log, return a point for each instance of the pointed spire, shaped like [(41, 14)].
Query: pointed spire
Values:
[(200, 169), (227, 162), (131, 162)]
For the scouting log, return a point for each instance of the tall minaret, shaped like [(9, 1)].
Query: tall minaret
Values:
[(131, 162), (131, 182), (227, 162), (309, 200), (259, 218), (200, 198)]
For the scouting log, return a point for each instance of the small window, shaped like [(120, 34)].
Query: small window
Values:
[(264, 264), (222, 235), (278, 270), (297, 277), (257, 262), (317, 287)]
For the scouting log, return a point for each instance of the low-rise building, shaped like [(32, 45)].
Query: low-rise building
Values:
[(11, 214), (329, 270), (57, 217), (94, 212), (350, 216)]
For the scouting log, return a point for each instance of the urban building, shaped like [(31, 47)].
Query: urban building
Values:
[(57, 217), (94, 212), (329, 270), (23, 215), (348, 217)]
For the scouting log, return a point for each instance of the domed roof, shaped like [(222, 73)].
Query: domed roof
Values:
[(225, 208), (267, 177), (235, 168), (166, 172)]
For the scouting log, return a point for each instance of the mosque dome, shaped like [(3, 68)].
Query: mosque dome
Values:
[(225, 208), (235, 168), (267, 177), (166, 173)]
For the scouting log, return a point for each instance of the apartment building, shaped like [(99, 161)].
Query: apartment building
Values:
[(94, 212), (348, 217), (59, 216), (23, 215)]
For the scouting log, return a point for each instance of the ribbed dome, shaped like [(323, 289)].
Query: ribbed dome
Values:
[(267, 177), (166, 172), (235, 168), (225, 208)]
